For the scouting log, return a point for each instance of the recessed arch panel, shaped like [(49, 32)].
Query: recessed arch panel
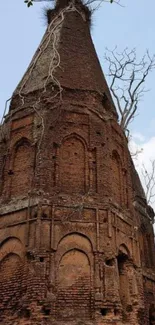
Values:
[(116, 177), (72, 165), (74, 285), (123, 249), (22, 168), (11, 245), (124, 276), (9, 264), (76, 238), (11, 275)]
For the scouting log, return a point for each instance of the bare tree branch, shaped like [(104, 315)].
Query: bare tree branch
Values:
[(149, 182), (86, 2), (127, 79)]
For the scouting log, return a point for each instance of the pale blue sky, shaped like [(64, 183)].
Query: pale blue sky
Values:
[(21, 30)]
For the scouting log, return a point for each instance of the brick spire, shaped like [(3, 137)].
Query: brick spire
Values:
[(66, 56), (76, 234)]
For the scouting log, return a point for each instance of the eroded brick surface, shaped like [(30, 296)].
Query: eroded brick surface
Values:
[(76, 235)]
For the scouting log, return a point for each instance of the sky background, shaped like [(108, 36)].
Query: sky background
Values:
[(21, 30)]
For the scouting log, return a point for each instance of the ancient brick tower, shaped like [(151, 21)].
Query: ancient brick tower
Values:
[(76, 235)]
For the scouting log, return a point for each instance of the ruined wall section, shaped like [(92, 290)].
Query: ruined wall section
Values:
[(90, 132), (3, 154), (23, 272), (79, 204), (72, 244), (18, 169)]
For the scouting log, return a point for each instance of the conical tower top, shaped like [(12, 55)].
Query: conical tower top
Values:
[(66, 57)]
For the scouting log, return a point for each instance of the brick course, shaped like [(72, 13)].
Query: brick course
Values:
[(76, 235)]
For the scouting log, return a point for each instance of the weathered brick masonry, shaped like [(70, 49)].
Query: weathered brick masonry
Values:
[(76, 235)]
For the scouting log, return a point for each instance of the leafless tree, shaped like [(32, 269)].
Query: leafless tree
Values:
[(99, 2), (127, 81), (149, 182), (134, 154), (87, 2)]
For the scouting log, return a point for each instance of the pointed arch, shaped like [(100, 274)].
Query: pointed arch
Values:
[(72, 164), (11, 271), (73, 279), (75, 240), (74, 262), (9, 238), (77, 136), (11, 245), (123, 249), (22, 167), (20, 142), (123, 272), (75, 237)]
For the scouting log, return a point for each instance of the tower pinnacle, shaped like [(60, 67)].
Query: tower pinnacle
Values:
[(66, 57)]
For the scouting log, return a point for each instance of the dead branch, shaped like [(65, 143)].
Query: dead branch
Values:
[(128, 77), (134, 154), (99, 2), (86, 2), (149, 182)]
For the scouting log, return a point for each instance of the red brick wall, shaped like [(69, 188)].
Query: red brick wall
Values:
[(11, 271), (74, 286), (22, 169), (72, 166)]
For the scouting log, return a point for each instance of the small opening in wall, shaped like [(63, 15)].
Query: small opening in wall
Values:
[(4, 139), (41, 259), (30, 256), (55, 145), (116, 312), (44, 215), (46, 311), (24, 312), (122, 258), (129, 308), (110, 262), (152, 315), (10, 172), (98, 132), (103, 311)]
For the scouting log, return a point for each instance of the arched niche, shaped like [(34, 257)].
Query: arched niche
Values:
[(123, 269), (11, 275), (22, 168), (10, 266), (73, 265), (75, 239), (116, 177), (11, 245), (149, 249), (74, 285), (72, 165), (152, 313), (147, 246), (123, 250)]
